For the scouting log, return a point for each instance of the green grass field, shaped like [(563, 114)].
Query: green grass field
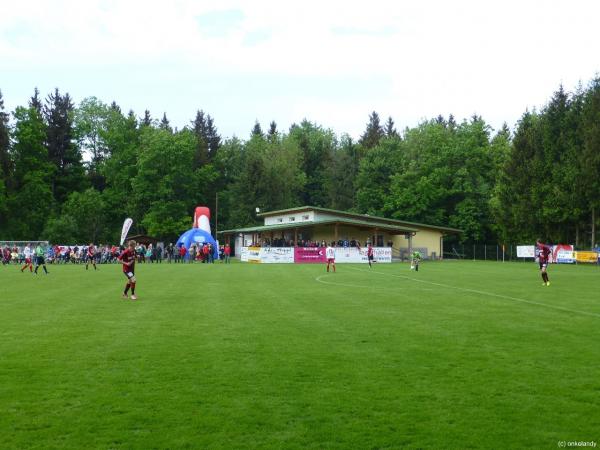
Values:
[(458, 355)]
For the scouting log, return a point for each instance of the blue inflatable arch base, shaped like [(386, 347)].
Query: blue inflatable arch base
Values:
[(198, 237)]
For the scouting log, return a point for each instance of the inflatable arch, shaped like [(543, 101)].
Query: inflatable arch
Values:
[(199, 234)]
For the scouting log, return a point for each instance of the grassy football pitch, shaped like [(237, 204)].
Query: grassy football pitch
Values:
[(458, 355)]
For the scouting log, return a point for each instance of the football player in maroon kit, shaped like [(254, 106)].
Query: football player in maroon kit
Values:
[(543, 256), (90, 257), (370, 254), (127, 258)]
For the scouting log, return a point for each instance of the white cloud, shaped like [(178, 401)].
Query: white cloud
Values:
[(432, 57)]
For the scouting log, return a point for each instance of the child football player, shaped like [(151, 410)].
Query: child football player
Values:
[(127, 258), (90, 256), (330, 255)]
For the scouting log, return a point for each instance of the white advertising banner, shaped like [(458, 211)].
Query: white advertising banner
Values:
[(560, 253), (563, 254), (254, 254), (244, 254), (271, 255), (285, 255), (354, 255), (525, 251)]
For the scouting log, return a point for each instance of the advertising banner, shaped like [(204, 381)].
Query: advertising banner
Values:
[(586, 257), (563, 254), (270, 255), (382, 254), (287, 255), (525, 251), (354, 255), (309, 255), (254, 254)]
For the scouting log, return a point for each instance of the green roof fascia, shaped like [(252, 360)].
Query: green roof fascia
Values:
[(286, 226), (346, 213)]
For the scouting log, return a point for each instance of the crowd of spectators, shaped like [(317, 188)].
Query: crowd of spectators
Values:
[(107, 254), (202, 253), (304, 243), (62, 254)]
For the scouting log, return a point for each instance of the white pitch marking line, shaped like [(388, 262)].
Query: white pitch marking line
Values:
[(337, 284), (357, 285), (491, 294)]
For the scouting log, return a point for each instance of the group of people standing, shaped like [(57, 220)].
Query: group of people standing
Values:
[(330, 255), (130, 255), (34, 256), (204, 253)]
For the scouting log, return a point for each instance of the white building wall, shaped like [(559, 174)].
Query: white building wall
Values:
[(319, 215), (304, 216)]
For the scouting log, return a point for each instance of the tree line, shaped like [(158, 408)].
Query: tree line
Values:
[(73, 173)]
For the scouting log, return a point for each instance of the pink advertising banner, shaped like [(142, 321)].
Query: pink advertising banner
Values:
[(309, 255)]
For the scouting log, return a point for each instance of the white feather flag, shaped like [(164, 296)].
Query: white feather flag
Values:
[(126, 227)]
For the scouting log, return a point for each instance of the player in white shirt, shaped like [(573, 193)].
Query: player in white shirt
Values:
[(27, 252), (330, 255)]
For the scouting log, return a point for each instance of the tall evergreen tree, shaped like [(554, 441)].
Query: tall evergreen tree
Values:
[(272, 128), (147, 119), (257, 130), (451, 123), (501, 148), (209, 140), (556, 201), (317, 146), (164, 124), (341, 175), (5, 161), (590, 155), (212, 137), (115, 107), (62, 150), (35, 101), (33, 202), (515, 204), (390, 129), (201, 153), (374, 132), (572, 185), (373, 178), (29, 149)]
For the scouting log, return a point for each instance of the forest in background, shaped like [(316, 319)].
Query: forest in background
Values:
[(73, 173)]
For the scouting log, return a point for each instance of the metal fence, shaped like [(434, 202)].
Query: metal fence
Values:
[(484, 252)]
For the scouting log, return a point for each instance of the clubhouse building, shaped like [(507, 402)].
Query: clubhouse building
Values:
[(309, 226)]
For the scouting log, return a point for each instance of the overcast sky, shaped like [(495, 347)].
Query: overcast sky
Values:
[(332, 62)]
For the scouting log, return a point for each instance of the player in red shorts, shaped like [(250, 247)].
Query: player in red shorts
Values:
[(90, 256), (28, 252), (127, 258), (543, 257), (370, 254), (330, 255)]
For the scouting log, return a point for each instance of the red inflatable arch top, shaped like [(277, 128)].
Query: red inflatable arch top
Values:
[(202, 218)]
